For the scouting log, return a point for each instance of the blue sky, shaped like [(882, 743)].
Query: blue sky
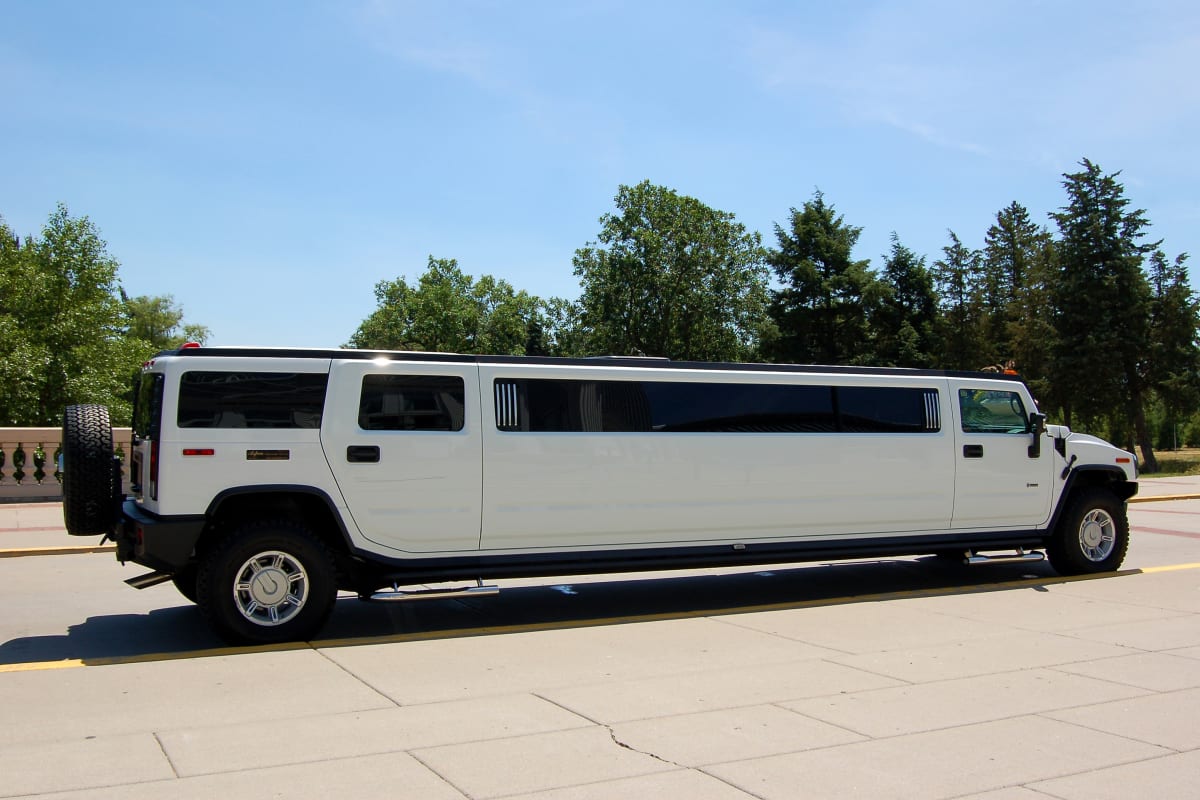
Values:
[(268, 162)]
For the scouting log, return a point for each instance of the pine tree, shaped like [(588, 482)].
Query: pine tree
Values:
[(821, 311), (1174, 321), (958, 276), (903, 325), (1102, 304)]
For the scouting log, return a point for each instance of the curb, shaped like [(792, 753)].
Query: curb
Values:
[(67, 550)]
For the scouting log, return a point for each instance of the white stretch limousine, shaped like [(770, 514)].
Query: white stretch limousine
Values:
[(265, 480)]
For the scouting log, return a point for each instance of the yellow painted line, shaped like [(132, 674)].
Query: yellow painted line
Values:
[(68, 550), (1169, 568), (1162, 498)]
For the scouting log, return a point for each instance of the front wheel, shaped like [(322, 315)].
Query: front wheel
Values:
[(1092, 536), (267, 582)]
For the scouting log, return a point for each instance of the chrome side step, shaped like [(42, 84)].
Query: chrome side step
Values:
[(1019, 556), (149, 579), (396, 595)]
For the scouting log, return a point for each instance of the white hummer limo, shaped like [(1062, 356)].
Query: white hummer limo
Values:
[(263, 481)]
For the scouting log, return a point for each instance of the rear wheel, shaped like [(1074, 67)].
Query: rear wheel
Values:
[(1093, 534), (89, 486), (270, 581)]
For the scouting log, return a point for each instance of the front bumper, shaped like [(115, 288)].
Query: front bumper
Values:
[(162, 543)]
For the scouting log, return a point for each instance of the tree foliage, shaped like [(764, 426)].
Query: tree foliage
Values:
[(670, 276), (449, 311), (821, 311), (1102, 302), (68, 334), (904, 325)]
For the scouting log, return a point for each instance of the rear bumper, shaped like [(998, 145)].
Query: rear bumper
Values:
[(162, 543)]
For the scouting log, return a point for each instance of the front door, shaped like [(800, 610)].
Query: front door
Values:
[(403, 442), (998, 485)]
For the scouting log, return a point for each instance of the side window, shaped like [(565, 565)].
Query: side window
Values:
[(987, 411), (251, 399), (882, 409), (411, 403)]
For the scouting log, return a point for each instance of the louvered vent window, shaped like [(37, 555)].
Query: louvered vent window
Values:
[(933, 412), (508, 414)]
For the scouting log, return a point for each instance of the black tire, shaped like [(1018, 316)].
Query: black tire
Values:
[(185, 582), (267, 581), (89, 489), (1092, 535)]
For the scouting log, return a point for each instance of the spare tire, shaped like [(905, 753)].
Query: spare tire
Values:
[(88, 477)]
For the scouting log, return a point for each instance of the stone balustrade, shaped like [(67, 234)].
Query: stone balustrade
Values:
[(29, 462)]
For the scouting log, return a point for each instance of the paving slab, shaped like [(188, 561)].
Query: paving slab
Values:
[(1173, 777), (80, 762), (966, 701), (431, 671), (1159, 672), (1171, 591), (712, 737), (527, 764), (1049, 609), (392, 775), (1173, 633), (864, 627), (939, 764), (669, 695), (276, 742), (177, 694), (1169, 719), (1001, 653), (682, 784)]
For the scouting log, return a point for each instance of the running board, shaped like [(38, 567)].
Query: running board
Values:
[(149, 579), (1019, 556), (398, 596)]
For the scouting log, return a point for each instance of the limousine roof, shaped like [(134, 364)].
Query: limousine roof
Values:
[(642, 362)]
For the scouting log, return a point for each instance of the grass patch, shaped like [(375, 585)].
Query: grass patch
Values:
[(1177, 463)]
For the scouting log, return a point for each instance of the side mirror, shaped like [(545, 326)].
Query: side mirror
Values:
[(1037, 427)]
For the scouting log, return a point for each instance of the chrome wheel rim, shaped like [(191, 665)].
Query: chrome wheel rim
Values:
[(1097, 535), (270, 588)]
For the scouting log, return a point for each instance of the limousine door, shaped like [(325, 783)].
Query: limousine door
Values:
[(402, 440), (1000, 482)]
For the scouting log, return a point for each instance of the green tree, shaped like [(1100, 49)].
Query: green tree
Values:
[(822, 310), (449, 311), (1102, 305), (903, 325), (158, 321), (670, 276), (1018, 268), (62, 327), (1174, 363), (958, 276)]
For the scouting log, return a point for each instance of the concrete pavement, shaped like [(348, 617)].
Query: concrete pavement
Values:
[(1030, 687)]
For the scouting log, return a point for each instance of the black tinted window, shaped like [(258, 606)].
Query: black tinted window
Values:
[(411, 403), (251, 399), (147, 405), (627, 406), (874, 409)]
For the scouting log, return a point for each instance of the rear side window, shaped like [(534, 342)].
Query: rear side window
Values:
[(411, 403), (147, 405), (881, 409), (251, 399)]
